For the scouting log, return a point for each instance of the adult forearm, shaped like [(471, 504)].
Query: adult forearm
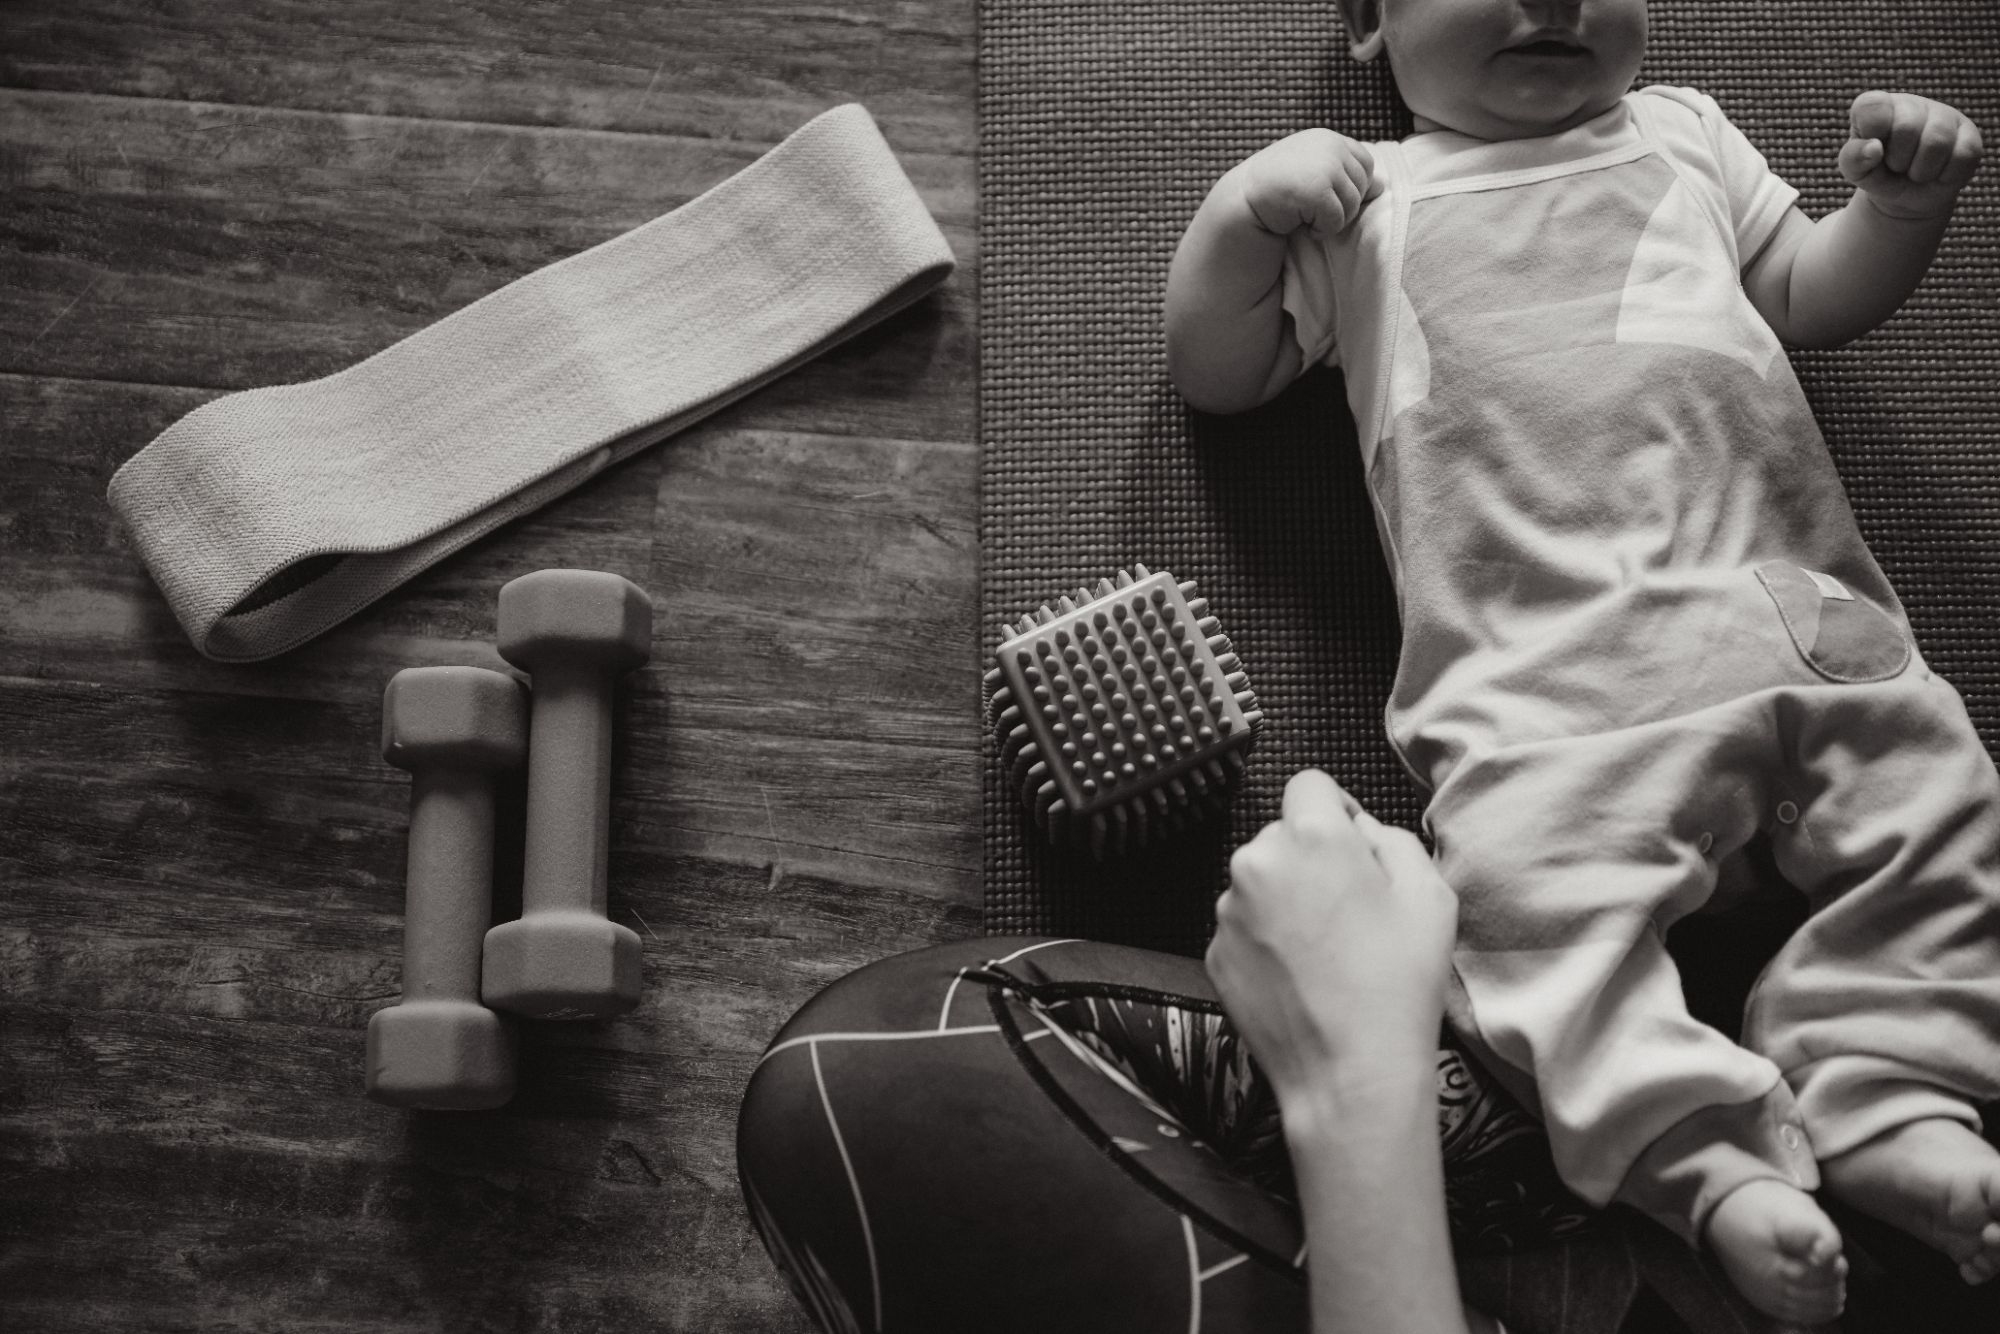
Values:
[(1226, 344), (1371, 1191), (1855, 269)]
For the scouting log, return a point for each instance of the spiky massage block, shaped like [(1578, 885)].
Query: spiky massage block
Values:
[(1124, 712)]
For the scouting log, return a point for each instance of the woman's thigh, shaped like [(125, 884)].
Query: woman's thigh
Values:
[(1016, 1133)]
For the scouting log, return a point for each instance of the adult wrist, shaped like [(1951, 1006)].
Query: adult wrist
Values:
[(1381, 1091)]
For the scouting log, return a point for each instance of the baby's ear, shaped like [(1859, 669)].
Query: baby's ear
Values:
[(1364, 27)]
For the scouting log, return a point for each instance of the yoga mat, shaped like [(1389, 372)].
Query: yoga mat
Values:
[(1101, 128)]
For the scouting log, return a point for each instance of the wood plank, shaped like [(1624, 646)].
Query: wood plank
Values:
[(295, 786), (105, 782), (258, 1024), (746, 69), (227, 247), (460, 1222)]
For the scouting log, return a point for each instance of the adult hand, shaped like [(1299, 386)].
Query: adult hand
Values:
[(1332, 946), (1910, 155)]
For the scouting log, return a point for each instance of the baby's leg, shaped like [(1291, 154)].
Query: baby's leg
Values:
[(1884, 1009), (1570, 857)]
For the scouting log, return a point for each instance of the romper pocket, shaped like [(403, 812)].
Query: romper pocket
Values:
[(1842, 635)]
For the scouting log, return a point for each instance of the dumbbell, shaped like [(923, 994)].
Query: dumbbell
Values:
[(575, 632), (456, 729)]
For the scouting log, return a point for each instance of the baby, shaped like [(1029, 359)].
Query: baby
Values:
[(1640, 624)]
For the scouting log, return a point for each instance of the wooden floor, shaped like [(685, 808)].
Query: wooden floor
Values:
[(201, 866)]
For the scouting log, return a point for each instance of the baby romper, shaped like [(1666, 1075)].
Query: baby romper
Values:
[(1639, 625)]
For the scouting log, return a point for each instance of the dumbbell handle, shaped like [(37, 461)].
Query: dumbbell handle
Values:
[(569, 791), (449, 895)]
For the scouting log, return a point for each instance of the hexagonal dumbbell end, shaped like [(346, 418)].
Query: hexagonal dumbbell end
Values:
[(440, 1055), (576, 632), (574, 620), (465, 718), (562, 964), (456, 729)]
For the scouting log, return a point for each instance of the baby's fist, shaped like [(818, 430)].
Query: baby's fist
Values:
[(1910, 156), (1315, 179)]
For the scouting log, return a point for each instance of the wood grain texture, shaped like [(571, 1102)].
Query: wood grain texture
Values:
[(742, 69), (201, 864)]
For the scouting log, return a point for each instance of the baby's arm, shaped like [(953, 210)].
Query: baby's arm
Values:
[(1825, 283), (1229, 346)]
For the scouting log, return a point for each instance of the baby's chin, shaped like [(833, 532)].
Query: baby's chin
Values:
[(1519, 115)]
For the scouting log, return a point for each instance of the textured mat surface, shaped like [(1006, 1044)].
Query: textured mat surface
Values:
[(1101, 128)]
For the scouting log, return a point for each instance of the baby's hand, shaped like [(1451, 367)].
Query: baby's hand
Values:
[(1908, 154), (1314, 179)]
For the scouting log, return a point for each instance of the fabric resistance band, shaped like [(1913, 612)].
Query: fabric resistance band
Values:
[(270, 515)]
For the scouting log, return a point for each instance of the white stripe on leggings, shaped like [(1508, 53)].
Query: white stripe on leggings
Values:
[(811, 1038), (1194, 1277), (867, 1233), (944, 1012)]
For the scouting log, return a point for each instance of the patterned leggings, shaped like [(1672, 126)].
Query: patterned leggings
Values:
[(1055, 1135), (1063, 1137)]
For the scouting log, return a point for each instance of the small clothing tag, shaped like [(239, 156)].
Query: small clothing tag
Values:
[(1829, 587)]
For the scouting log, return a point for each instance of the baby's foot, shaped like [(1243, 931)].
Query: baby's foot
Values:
[(1936, 1180), (1781, 1252)]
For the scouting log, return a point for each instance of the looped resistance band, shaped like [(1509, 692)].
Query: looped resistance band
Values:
[(270, 515)]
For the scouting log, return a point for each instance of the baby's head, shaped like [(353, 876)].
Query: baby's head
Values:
[(1503, 69)]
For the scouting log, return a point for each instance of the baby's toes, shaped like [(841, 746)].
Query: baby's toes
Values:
[(1814, 1270), (1984, 1262), (1973, 1227), (1820, 1282), (1809, 1242)]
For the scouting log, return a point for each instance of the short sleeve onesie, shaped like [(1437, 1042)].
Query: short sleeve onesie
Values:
[(1580, 437)]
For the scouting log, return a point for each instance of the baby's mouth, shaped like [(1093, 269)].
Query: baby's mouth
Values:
[(1547, 46)]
